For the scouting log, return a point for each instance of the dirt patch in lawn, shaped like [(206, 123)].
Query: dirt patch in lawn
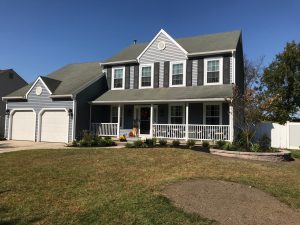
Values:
[(230, 203)]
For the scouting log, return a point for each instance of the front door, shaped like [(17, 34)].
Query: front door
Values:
[(145, 120)]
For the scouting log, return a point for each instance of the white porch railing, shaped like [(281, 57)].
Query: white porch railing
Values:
[(172, 131), (209, 132), (105, 129)]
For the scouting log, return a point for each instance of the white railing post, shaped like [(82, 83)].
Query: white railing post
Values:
[(119, 119), (231, 134), (186, 121), (151, 121)]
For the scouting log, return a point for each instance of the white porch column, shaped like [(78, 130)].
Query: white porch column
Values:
[(151, 121), (119, 119), (231, 134), (186, 121)]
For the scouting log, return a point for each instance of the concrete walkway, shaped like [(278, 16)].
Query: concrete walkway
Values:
[(11, 146)]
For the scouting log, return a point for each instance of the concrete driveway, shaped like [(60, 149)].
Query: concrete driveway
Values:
[(11, 146)]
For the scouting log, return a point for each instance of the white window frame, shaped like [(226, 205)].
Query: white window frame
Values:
[(140, 75), (206, 60), (183, 112), (183, 76), (220, 113), (121, 114), (113, 78)]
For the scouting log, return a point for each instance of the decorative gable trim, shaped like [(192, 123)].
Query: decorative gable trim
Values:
[(169, 37), (32, 86)]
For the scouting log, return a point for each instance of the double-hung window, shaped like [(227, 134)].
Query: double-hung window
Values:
[(118, 75), (213, 71), (177, 73), (146, 76), (176, 114), (212, 114)]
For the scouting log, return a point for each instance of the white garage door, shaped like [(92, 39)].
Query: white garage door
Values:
[(23, 126), (54, 126)]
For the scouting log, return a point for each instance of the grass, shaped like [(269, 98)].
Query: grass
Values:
[(296, 154), (122, 186)]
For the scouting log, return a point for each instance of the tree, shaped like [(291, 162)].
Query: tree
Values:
[(246, 104), (280, 85)]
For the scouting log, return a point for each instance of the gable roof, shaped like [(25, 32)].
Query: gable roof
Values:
[(166, 94), (196, 44), (67, 80)]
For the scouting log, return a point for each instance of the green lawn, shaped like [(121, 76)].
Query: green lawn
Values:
[(122, 186), (296, 154)]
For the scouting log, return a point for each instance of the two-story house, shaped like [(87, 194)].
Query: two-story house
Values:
[(167, 88), (172, 88)]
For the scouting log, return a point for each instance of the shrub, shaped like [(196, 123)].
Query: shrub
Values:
[(228, 146), (175, 143), (163, 142), (205, 144), (87, 138), (190, 143), (138, 144), (129, 145), (150, 142), (83, 143), (220, 144), (94, 142), (264, 143), (122, 138), (255, 148)]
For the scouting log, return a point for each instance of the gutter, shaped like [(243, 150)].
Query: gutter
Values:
[(120, 62), (159, 101), (61, 96), (13, 97), (210, 52)]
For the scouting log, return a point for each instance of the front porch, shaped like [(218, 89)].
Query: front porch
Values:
[(198, 121)]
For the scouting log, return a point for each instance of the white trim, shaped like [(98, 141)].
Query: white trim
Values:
[(113, 80), (220, 112), (168, 36), (120, 62), (40, 118), (74, 120), (12, 112), (13, 97), (157, 101), (231, 137), (220, 70), (233, 67), (186, 121), (122, 112), (151, 120), (32, 86), (183, 75), (140, 75), (183, 111), (118, 127), (210, 52)]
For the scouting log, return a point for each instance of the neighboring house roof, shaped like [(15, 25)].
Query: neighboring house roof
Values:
[(166, 94), (197, 44), (67, 80)]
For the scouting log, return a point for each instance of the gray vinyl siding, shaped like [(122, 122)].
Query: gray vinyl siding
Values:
[(39, 102), (170, 53), (194, 72), (196, 113), (83, 98), (131, 82)]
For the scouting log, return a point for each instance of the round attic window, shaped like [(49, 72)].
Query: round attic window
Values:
[(38, 90), (161, 45)]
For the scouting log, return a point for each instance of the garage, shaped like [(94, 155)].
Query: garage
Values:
[(54, 126), (23, 125)]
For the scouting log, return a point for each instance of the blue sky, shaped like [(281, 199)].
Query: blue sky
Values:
[(39, 36)]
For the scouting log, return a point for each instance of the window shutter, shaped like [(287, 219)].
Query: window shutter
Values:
[(226, 70), (109, 77), (166, 73), (156, 75), (136, 77), (200, 72), (189, 65), (127, 77)]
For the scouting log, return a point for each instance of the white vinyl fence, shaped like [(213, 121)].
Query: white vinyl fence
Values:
[(282, 136)]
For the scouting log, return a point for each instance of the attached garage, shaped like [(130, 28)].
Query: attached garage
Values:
[(54, 126), (23, 125)]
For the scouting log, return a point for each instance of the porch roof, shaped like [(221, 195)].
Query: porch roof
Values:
[(174, 94)]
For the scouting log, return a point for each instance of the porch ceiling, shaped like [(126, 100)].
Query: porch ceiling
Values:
[(175, 94)]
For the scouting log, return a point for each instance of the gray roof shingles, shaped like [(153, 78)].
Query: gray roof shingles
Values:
[(166, 94), (67, 80)]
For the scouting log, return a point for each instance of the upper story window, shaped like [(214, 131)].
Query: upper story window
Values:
[(213, 71), (118, 75), (177, 73), (146, 76), (213, 114)]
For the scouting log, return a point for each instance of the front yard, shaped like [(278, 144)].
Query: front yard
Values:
[(122, 186)]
